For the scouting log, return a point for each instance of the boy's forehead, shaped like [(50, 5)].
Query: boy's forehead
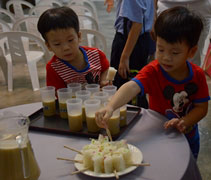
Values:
[(59, 33), (163, 42)]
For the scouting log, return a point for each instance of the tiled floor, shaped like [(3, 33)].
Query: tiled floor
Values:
[(23, 93)]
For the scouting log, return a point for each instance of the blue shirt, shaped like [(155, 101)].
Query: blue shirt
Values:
[(136, 11)]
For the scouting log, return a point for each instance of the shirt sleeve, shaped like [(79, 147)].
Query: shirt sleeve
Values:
[(146, 79), (133, 9), (52, 78), (104, 61)]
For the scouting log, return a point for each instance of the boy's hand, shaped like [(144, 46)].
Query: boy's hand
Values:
[(110, 5), (102, 116), (104, 83), (177, 123)]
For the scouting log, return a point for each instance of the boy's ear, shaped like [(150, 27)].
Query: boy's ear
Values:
[(79, 36), (48, 46), (192, 51)]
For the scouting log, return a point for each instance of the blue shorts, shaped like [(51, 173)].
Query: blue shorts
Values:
[(194, 141)]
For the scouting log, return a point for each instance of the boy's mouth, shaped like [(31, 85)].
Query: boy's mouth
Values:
[(167, 66)]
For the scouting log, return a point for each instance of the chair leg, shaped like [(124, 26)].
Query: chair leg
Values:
[(4, 68), (10, 76), (34, 75)]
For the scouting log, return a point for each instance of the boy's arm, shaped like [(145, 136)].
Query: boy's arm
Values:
[(129, 46), (194, 116), (126, 92), (52, 78)]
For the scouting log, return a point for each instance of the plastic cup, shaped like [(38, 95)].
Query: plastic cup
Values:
[(48, 100), (84, 95), (74, 87), (74, 111), (114, 121), (92, 88), (63, 95), (102, 96), (91, 107), (110, 89), (123, 115)]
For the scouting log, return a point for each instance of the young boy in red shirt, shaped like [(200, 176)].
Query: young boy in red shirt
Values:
[(176, 87)]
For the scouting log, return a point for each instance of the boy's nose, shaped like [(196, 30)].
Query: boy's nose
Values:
[(167, 57), (65, 46)]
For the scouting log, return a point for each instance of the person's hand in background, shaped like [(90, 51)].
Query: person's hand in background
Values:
[(110, 5)]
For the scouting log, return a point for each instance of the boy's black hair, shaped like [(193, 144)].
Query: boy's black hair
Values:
[(57, 18), (179, 24)]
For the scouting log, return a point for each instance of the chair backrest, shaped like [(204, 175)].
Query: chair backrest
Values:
[(89, 4), (53, 3), (28, 24), (83, 10), (93, 38), (7, 16), (88, 22), (4, 27), (17, 6), (16, 44), (38, 10)]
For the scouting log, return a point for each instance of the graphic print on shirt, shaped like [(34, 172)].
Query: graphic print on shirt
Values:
[(70, 75), (180, 101)]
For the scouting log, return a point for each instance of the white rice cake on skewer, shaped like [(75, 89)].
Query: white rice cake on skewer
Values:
[(108, 164), (118, 162), (98, 162)]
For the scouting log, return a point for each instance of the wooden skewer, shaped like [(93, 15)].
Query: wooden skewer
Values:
[(79, 152), (109, 134), (72, 160), (82, 170), (116, 175), (142, 164)]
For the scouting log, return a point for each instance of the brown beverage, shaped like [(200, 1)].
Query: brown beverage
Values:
[(75, 122), (63, 110), (49, 108), (83, 114), (91, 124), (11, 163), (114, 125), (123, 117)]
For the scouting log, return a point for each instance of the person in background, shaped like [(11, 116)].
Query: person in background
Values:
[(131, 44), (176, 87), (203, 8), (71, 62)]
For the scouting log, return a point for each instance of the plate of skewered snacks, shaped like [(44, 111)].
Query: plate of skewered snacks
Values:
[(104, 159)]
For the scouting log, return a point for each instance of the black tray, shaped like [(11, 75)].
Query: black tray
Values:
[(55, 124)]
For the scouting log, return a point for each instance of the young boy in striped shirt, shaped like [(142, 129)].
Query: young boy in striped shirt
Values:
[(71, 62)]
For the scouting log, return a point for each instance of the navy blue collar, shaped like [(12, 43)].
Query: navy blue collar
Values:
[(85, 58), (169, 78)]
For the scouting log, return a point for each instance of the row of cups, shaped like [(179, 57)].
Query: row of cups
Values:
[(79, 105)]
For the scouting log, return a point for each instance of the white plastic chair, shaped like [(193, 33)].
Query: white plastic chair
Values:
[(38, 10), (89, 4), (27, 24), (53, 3), (3, 64), (7, 16), (18, 53), (93, 38), (17, 6), (83, 10), (4, 26), (88, 22)]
